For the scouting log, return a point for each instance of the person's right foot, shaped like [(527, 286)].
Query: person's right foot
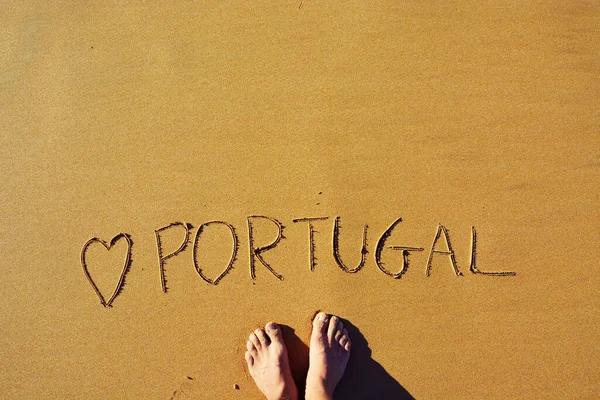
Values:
[(329, 354)]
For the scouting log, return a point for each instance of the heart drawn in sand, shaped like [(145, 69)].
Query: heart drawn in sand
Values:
[(126, 265)]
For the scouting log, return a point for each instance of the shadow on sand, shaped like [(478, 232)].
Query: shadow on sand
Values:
[(364, 379)]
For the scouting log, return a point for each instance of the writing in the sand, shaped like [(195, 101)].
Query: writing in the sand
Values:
[(441, 245)]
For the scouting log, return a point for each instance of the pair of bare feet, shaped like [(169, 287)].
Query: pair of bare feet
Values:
[(269, 366)]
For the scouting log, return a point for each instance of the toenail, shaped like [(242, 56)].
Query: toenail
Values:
[(323, 317), (271, 326)]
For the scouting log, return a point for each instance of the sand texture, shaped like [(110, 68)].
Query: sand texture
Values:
[(160, 162)]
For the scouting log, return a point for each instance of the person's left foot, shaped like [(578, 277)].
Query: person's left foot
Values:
[(269, 365)]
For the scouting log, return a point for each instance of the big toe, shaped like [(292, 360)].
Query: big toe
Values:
[(320, 324), (274, 332)]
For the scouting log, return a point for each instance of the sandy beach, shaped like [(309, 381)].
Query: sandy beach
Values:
[(273, 135)]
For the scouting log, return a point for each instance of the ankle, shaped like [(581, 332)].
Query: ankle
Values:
[(318, 393), (288, 397), (286, 394)]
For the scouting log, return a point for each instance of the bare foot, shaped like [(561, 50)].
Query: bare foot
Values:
[(329, 354), (269, 365)]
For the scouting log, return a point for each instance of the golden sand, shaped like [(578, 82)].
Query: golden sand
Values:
[(125, 117)]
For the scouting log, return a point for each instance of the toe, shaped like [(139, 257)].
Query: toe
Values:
[(348, 345), (255, 341), (338, 335), (343, 340), (274, 332), (334, 327), (262, 337), (251, 348), (249, 359), (320, 323)]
